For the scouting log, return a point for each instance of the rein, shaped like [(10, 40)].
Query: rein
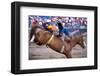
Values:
[(48, 42)]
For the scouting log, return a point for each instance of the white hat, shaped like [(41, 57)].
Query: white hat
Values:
[(48, 20)]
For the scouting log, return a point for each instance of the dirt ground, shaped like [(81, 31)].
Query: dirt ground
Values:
[(42, 52)]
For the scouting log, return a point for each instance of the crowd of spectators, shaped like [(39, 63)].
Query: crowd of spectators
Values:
[(50, 22)]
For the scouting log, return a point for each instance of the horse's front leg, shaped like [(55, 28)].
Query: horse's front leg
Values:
[(68, 54)]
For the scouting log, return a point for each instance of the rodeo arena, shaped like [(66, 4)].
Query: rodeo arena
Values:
[(52, 37)]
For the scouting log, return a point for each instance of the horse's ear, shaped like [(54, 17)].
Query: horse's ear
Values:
[(81, 36)]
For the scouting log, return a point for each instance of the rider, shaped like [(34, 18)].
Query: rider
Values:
[(63, 32)]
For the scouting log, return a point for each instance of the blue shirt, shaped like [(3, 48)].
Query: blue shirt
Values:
[(65, 31)]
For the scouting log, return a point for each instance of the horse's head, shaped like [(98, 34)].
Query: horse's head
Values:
[(80, 41)]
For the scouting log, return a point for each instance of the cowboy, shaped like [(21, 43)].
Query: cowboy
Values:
[(63, 32)]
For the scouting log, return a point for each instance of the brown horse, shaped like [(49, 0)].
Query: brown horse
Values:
[(43, 37)]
